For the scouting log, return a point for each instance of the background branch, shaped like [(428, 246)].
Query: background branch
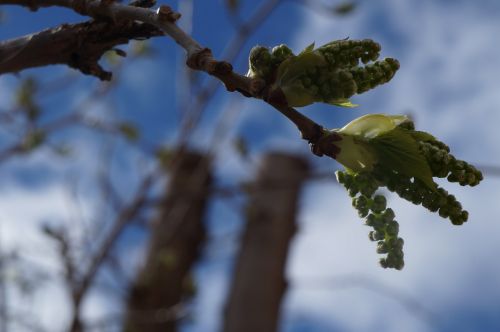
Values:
[(124, 218)]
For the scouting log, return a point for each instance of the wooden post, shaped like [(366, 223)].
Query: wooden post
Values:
[(259, 283), (176, 237)]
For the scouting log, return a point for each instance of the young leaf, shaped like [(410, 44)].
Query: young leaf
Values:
[(343, 103), (397, 150), (308, 49)]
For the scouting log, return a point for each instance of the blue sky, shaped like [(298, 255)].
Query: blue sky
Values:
[(448, 81)]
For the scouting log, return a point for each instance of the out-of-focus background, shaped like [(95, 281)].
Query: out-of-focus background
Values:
[(448, 82)]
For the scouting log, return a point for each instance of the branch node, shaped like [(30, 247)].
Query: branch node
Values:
[(222, 68), (324, 145), (199, 59), (165, 13)]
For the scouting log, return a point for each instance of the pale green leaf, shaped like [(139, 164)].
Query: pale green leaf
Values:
[(308, 49), (398, 150), (422, 136), (342, 103), (356, 153), (371, 125)]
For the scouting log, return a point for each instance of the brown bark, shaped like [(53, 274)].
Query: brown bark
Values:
[(177, 236), (79, 46), (259, 283)]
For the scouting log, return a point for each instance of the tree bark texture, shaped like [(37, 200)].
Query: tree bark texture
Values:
[(79, 46), (176, 238), (259, 282)]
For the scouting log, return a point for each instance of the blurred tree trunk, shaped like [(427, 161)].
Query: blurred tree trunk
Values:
[(258, 281), (155, 301)]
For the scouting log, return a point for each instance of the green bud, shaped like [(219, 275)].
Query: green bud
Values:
[(332, 69), (392, 228), (360, 202), (388, 215), (392, 260), (371, 220), (378, 235), (382, 248), (379, 204), (444, 212), (363, 212), (353, 191), (368, 190), (280, 53), (260, 62), (398, 253)]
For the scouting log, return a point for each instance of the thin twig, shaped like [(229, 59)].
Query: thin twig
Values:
[(122, 220), (23, 146)]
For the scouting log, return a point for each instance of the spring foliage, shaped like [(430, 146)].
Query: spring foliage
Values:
[(329, 74), (377, 150), (404, 161)]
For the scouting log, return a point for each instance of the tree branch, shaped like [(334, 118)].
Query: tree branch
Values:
[(198, 58), (79, 46), (164, 18)]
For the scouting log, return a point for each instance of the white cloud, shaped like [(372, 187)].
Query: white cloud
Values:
[(448, 78), (23, 211)]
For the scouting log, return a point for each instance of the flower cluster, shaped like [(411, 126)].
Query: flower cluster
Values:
[(405, 161), (418, 193), (361, 188), (445, 165), (348, 78), (331, 73), (262, 63)]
